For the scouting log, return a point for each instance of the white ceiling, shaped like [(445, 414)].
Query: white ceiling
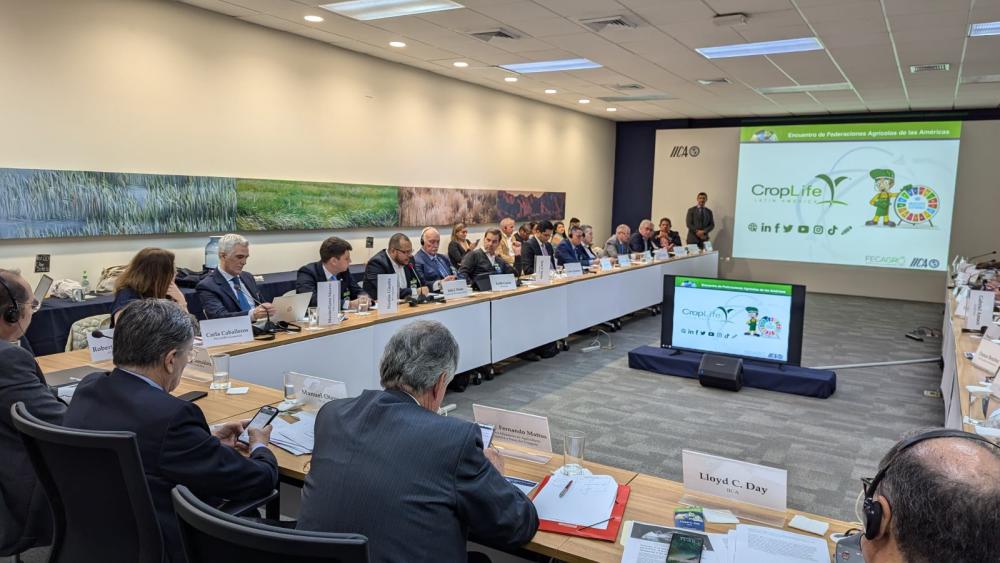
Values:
[(869, 43)]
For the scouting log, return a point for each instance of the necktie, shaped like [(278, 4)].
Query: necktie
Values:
[(333, 278), (542, 246), (443, 269), (242, 299)]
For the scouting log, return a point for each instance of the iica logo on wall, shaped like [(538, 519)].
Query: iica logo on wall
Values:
[(681, 151)]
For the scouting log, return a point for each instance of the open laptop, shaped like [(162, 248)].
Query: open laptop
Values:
[(42, 289), (291, 308)]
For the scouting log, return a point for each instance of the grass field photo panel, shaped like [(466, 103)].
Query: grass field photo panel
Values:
[(282, 205)]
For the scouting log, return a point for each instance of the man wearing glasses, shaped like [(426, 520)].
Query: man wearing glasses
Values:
[(25, 520), (396, 259)]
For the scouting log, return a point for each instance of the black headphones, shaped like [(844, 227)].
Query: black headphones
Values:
[(12, 313), (871, 511)]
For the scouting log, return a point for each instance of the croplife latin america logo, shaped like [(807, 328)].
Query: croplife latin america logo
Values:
[(807, 193)]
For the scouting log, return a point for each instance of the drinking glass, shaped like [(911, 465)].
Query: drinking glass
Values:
[(573, 448), (220, 371), (313, 314), (364, 303)]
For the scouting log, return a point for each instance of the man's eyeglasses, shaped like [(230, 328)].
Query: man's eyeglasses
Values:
[(35, 305)]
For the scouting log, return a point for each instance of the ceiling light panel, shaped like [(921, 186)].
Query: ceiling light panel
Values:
[(763, 48), (806, 88), (983, 29), (366, 10), (551, 66)]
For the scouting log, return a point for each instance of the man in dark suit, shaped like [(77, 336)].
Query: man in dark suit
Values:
[(432, 267), (417, 484), (485, 260), (25, 518), (334, 264), (537, 245), (397, 259), (642, 239), (229, 291), (571, 249), (700, 222), (153, 340)]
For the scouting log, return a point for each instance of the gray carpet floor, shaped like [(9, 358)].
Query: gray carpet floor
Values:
[(641, 421)]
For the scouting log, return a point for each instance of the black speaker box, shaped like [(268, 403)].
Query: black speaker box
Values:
[(723, 372)]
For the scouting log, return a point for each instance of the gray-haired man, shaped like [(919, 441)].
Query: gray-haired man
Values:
[(386, 465), (153, 341)]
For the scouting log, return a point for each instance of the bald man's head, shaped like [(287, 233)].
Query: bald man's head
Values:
[(941, 498)]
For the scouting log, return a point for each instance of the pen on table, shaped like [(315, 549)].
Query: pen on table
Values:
[(565, 489)]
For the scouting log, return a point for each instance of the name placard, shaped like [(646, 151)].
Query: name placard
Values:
[(543, 267), (624, 261), (388, 293), (503, 282), (979, 309), (606, 264), (662, 254), (101, 348), (737, 481), (992, 331), (328, 302), (987, 356), (680, 251), (573, 269), (454, 289), (515, 427), (312, 390), (708, 246), (201, 360), (230, 330), (647, 256), (692, 248)]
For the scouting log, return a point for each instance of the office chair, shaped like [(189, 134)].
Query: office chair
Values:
[(101, 507), (212, 536)]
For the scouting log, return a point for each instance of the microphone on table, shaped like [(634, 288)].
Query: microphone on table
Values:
[(981, 255), (269, 327), (99, 334)]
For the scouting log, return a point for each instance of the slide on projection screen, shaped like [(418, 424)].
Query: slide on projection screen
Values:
[(873, 194)]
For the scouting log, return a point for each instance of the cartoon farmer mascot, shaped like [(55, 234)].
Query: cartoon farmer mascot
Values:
[(885, 179), (752, 321)]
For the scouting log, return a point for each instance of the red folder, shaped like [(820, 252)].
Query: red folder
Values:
[(608, 534)]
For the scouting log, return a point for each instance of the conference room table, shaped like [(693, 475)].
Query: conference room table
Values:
[(958, 372)]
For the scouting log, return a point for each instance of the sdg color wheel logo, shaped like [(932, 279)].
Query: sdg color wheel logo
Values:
[(917, 204), (769, 327)]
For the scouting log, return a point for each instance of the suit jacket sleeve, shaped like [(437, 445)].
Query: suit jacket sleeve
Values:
[(191, 456), (711, 221), (689, 219), (23, 381), (305, 282), (211, 301), (468, 267), (528, 257), (455, 253), (635, 243), (565, 254), (498, 514), (372, 271)]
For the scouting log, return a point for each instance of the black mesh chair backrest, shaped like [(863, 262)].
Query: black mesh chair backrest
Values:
[(212, 536), (101, 507)]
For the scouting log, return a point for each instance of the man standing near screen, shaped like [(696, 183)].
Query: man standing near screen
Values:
[(700, 222)]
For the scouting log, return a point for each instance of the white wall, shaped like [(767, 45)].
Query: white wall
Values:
[(163, 87), (677, 180)]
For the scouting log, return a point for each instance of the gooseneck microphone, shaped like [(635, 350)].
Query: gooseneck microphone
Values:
[(99, 334), (982, 255)]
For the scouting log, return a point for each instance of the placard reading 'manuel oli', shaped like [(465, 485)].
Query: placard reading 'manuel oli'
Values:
[(733, 480)]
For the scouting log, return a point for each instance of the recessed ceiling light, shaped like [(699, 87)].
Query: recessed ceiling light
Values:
[(460, 64), (397, 44), (551, 66), (314, 19), (985, 28), (981, 79), (510, 79), (584, 101), (638, 98), (762, 48), (929, 67), (711, 81), (806, 88), (551, 90), (612, 109), (365, 10)]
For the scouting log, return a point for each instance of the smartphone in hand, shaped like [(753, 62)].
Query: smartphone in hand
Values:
[(263, 417)]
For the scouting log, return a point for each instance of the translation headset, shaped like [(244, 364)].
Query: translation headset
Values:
[(422, 233), (871, 511), (12, 313)]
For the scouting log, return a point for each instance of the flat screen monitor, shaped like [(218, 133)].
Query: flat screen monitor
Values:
[(754, 320)]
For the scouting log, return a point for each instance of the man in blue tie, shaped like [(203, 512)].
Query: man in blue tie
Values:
[(571, 249), (618, 244), (229, 291), (433, 268), (334, 265)]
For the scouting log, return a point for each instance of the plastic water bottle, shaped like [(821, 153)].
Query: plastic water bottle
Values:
[(85, 283)]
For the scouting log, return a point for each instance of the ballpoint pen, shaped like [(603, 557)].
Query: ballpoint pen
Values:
[(565, 489)]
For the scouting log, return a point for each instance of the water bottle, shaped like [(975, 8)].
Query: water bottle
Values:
[(85, 283), (212, 252)]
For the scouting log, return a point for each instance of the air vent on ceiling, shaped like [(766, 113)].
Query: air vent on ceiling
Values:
[(612, 22), (712, 81), (627, 87), (639, 98), (498, 33), (928, 68)]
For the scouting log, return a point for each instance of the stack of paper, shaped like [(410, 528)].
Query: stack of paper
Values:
[(649, 543), (588, 501), (294, 433)]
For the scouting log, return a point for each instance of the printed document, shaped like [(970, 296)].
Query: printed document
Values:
[(756, 544), (587, 502), (294, 433)]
